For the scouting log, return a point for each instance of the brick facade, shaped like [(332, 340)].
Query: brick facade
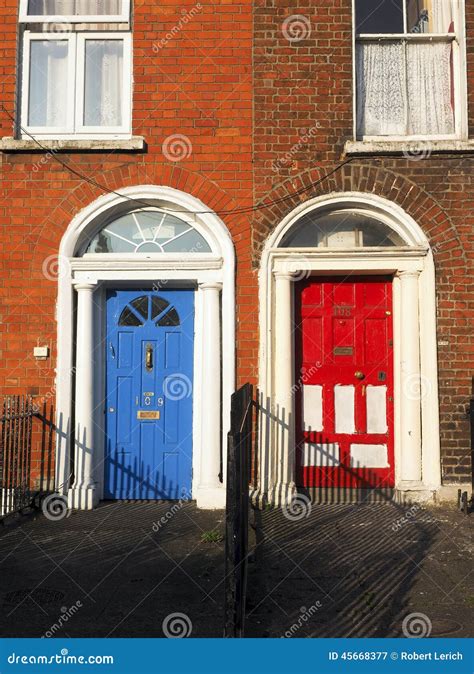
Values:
[(197, 84), (303, 116), (264, 117)]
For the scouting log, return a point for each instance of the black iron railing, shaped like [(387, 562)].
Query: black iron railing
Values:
[(239, 454), (16, 420)]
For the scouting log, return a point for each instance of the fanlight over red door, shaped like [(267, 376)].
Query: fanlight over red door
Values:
[(345, 382)]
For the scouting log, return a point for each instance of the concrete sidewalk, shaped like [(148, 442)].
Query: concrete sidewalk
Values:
[(118, 571), (360, 571), (126, 569)]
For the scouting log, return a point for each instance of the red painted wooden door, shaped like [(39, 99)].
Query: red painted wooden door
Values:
[(344, 379)]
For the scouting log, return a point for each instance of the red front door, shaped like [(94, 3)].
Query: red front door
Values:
[(344, 382)]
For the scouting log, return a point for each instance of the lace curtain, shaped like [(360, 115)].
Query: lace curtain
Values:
[(404, 89), (103, 83), (74, 7), (48, 83)]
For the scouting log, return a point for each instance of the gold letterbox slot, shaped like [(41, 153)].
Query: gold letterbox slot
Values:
[(148, 414)]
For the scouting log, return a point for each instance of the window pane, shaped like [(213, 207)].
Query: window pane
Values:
[(379, 16), (148, 231), (381, 89), (171, 319), (74, 7), (340, 229), (128, 318), (140, 304), (103, 83), (430, 89), (160, 229), (158, 305), (48, 83), (430, 16), (191, 242)]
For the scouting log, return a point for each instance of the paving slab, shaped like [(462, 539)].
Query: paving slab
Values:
[(118, 571), (361, 571)]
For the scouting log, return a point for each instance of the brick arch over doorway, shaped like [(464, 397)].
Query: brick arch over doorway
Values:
[(40, 245), (450, 247), (444, 239)]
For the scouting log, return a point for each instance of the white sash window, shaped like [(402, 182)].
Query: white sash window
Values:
[(76, 81), (408, 69), (74, 10)]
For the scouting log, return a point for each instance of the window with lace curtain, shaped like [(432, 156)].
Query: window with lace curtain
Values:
[(76, 75), (408, 69)]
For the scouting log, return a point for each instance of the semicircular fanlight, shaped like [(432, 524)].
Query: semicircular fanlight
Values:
[(148, 231)]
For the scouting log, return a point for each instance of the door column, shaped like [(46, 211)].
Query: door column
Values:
[(83, 495), (411, 389), (284, 364), (211, 493)]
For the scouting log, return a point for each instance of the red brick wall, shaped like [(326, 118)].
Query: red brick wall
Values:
[(303, 116), (243, 151), (197, 84)]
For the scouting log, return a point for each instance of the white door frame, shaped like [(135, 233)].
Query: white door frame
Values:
[(417, 450), (205, 272)]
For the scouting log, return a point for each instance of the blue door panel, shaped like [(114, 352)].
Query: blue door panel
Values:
[(149, 394)]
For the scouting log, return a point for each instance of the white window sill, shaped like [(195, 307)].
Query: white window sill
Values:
[(133, 144), (412, 149)]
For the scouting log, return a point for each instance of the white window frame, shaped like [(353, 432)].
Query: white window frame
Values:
[(124, 16), (458, 39), (90, 131), (57, 131), (75, 90)]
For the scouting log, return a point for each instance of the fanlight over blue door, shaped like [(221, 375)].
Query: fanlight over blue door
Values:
[(148, 231), (149, 394)]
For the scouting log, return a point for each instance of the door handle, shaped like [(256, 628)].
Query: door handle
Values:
[(359, 375), (149, 357), (112, 350)]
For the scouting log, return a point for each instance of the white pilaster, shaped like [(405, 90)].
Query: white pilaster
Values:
[(284, 442), (411, 384), (210, 492), (83, 494)]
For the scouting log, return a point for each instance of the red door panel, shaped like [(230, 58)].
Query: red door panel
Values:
[(344, 420)]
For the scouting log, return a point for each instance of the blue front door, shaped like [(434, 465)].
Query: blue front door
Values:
[(149, 394)]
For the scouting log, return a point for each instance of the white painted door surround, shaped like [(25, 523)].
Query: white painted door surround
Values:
[(417, 453), (87, 277)]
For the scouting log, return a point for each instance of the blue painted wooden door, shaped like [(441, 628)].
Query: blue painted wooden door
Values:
[(149, 384)]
